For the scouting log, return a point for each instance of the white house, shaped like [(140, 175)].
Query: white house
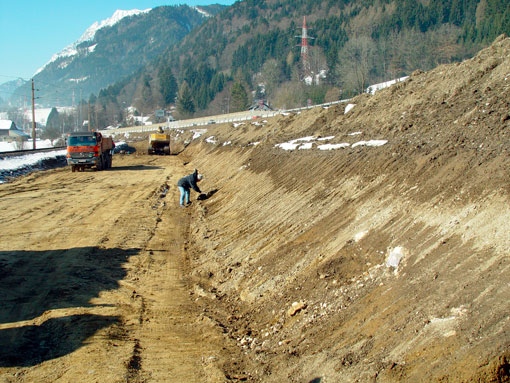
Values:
[(10, 132)]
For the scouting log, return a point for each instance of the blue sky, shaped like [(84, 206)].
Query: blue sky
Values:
[(31, 31)]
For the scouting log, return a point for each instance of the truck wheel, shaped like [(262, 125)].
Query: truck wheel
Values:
[(109, 161), (73, 168), (99, 165), (166, 149)]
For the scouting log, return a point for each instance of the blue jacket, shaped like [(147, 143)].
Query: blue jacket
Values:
[(189, 181)]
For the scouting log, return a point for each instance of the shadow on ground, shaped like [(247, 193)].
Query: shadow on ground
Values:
[(32, 282), (28, 346), (207, 195)]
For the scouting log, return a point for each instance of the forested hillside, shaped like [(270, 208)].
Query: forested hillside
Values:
[(114, 52), (254, 45)]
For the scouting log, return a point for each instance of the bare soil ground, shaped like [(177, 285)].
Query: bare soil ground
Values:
[(364, 263)]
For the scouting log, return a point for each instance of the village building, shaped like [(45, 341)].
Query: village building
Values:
[(260, 105), (9, 132)]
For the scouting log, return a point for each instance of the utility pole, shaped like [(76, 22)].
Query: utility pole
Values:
[(80, 121), (89, 127), (26, 128), (76, 115), (33, 114)]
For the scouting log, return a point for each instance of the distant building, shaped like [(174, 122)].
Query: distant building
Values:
[(260, 105), (9, 132)]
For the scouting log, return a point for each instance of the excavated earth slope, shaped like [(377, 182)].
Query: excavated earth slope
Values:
[(375, 261), (364, 242)]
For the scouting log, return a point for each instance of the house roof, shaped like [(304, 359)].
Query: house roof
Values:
[(6, 124), (18, 133)]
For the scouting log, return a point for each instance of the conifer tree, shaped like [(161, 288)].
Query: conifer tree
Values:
[(52, 131), (168, 84), (185, 104), (239, 98)]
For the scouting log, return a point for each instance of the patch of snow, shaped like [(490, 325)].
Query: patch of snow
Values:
[(64, 64), (394, 257), (307, 145), (41, 115), (348, 108), (293, 144), (370, 143), (198, 133), (298, 143), (11, 146), (374, 88), (210, 140), (78, 80), (359, 236), (287, 146), (13, 163), (333, 146), (355, 133)]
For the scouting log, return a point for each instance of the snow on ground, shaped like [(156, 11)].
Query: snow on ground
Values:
[(349, 107), (333, 146), (307, 143), (370, 143), (12, 146), (198, 132), (374, 88), (293, 144), (18, 162)]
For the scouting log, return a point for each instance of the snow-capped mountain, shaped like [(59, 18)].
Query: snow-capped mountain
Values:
[(71, 50), (110, 50)]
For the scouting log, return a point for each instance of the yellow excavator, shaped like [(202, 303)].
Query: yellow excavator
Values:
[(159, 143)]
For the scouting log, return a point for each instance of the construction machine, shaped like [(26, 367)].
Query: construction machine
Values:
[(159, 143)]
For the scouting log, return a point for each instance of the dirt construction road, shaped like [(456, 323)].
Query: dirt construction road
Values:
[(92, 279)]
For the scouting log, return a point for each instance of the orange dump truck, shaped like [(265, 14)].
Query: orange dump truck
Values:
[(88, 149)]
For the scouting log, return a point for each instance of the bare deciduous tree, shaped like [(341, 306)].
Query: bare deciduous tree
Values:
[(356, 60)]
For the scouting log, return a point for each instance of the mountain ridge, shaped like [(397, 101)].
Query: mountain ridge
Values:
[(110, 50), (88, 35)]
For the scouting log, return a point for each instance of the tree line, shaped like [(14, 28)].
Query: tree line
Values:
[(356, 44)]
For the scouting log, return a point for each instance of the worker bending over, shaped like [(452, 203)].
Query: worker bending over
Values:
[(186, 183)]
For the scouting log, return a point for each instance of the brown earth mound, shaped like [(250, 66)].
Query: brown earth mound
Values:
[(364, 242), (366, 263)]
